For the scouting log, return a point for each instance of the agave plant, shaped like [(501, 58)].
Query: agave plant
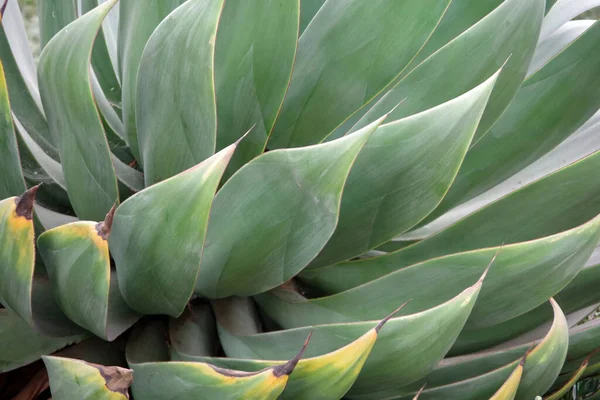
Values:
[(301, 199)]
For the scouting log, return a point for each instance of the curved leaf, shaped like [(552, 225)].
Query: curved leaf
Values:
[(53, 16), (76, 379), (553, 204), (510, 32), (162, 223), (563, 11), (410, 164), (200, 380), (346, 56), (288, 212), (330, 375), (176, 91), (530, 127), (254, 54), (406, 350), (137, 21), (78, 264), (571, 382), (14, 332), (84, 153), (508, 390)]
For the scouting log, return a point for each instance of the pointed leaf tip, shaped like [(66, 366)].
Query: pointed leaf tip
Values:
[(4, 4), (288, 367), (419, 392), (490, 264), (386, 319), (103, 228), (25, 203)]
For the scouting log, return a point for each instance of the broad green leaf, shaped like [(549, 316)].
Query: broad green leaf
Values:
[(510, 32), (78, 264), (579, 294), (254, 54), (350, 52), (75, 124), (199, 380), (508, 390), (409, 164), (479, 376), (308, 10), (12, 182), (21, 79), (162, 223), (137, 21), (17, 254), (406, 350), (53, 16), (102, 61), (176, 91), (551, 104), (288, 212), (15, 332), (72, 379), (330, 375), (553, 204)]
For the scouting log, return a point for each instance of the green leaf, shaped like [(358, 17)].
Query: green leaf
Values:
[(308, 10), (330, 375), (76, 379), (78, 264), (15, 332), (564, 389), (288, 212), (75, 124), (410, 164), (346, 56), (479, 376), (53, 16), (406, 350), (551, 104), (170, 98), (137, 21), (12, 182), (510, 32), (508, 390), (162, 223), (199, 380), (553, 204), (255, 49)]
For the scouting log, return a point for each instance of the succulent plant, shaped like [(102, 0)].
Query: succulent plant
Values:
[(301, 199)]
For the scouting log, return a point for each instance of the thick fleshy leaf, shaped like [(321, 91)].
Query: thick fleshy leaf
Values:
[(255, 49), (564, 389), (346, 56), (479, 376), (409, 164), (137, 21), (12, 182), (78, 264), (53, 16), (330, 375), (76, 379), (288, 212), (17, 254), (15, 332), (577, 297), (553, 204), (198, 380), (75, 124), (508, 390), (308, 10), (406, 350), (563, 11), (21, 78), (510, 32), (176, 91), (162, 223), (551, 104)]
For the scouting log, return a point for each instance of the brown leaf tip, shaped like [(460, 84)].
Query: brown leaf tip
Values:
[(117, 379), (2, 9), (25, 203), (386, 319), (103, 228), (288, 367)]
